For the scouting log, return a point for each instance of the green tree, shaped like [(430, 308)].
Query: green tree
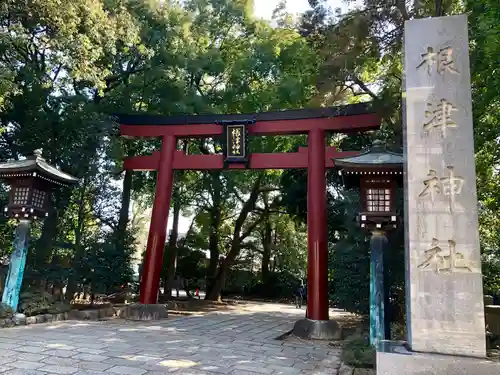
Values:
[(483, 31)]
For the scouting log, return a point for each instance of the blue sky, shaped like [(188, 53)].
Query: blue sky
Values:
[(264, 8)]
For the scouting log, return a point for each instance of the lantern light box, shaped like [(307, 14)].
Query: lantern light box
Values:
[(31, 181), (377, 173)]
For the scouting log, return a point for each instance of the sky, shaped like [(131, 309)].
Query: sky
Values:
[(264, 8)]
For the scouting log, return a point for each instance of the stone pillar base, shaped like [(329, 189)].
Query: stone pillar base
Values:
[(143, 312), (317, 329), (394, 359)]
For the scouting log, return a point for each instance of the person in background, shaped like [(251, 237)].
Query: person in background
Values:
[(197, 293), (299, 296)]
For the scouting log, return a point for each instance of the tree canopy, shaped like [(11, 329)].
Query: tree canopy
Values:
[(65, 70)]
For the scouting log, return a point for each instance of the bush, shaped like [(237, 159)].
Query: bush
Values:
[(278, 285), (107, 264), (58, 308), (398, 331), (6, 311), (40, 302), (239, 282), (358, 352)]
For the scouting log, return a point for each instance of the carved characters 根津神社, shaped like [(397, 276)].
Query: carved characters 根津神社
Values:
[(449, 186), (439, 116), (437, 260), (443, 59)]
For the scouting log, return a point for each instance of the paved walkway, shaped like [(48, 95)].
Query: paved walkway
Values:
[(234, 342)]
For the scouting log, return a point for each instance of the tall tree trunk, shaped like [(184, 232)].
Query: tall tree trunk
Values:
[(121, 229), (275, 246), (71, 289), (238, 237), (439, 8), (44, 245), (172, 250), (220, 279), (186, 288), (266, 245), (57, 285), (213, 242), (266, 240)]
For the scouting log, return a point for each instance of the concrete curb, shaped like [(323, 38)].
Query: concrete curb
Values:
[(20, 320), (89, 315)]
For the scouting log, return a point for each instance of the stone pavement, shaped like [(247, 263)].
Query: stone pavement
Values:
[(234, 342)]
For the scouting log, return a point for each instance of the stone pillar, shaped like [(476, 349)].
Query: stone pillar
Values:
[(17, 264), (153, 261), (445, 311), (378, 244), (445, 292)]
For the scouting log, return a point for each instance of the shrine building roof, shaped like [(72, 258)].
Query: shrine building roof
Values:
[(376, 157), (32, 166)]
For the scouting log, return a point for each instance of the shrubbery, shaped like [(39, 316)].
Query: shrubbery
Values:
[(6, 311), (278, 284), (358, 352), (37, 302)]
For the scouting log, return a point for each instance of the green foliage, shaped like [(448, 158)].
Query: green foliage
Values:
[(484, 31), (35, 302), (106, 267), (240, 282), (491, 279), (6, 311), (190, 264), (6, 228), (278, 284), (398, 332), (64, 71), (349, 260), (361, 55), (357, 352), (294, 186)]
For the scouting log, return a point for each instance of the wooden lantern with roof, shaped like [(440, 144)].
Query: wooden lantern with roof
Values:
[(31, 181), (377, 172)]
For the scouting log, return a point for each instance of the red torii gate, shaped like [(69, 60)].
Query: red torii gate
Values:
[(316, 158)]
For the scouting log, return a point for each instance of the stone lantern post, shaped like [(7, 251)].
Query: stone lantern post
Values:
[(378, 173), (31, 181)]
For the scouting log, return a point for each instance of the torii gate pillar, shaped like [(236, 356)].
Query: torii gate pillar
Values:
[(317, 256), (316, 324)]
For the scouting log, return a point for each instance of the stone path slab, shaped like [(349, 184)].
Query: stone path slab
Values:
[(235, 342)]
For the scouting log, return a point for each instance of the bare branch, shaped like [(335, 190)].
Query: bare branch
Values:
[(250, 229), (363, 86)]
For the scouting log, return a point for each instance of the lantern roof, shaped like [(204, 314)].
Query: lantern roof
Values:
[(34, 166), (376, 157)]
